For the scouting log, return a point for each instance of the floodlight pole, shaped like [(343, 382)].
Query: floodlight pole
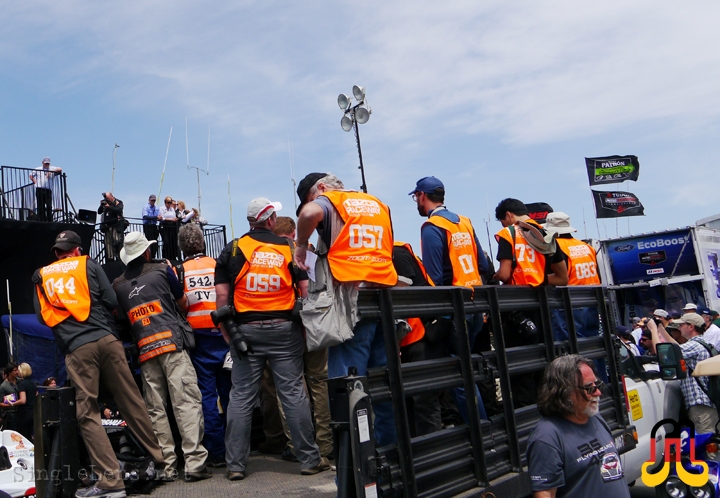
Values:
[(363, 187), (349, 111), (112, 184)]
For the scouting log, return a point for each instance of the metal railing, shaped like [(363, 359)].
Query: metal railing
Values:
[(488, 455), (22, 200), (167, 242)]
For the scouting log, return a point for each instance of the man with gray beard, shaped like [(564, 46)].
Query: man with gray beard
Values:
[(571, 452)]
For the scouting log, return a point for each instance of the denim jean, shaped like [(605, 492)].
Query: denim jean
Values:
[(208, 358), (365, 350), (474, 327), (587, 324)]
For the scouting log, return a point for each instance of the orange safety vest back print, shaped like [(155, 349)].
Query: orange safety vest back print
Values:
[(65, 291), (530, 269), (582, 263), (200, 291), (362, 251), (265, 282), (462, 250)]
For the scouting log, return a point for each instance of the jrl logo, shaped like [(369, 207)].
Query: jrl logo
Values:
[(673, 439)]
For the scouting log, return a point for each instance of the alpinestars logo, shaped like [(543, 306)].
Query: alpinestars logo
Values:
[(135, 291)]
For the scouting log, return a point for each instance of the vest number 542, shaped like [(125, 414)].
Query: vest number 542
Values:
[(369, 236)]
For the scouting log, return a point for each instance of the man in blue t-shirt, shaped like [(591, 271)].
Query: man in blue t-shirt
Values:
[(571, 452)]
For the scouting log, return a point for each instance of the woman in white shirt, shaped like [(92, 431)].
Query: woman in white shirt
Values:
[(169, 230)]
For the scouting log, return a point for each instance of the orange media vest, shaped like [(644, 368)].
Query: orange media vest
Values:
[(65, 291), (530, 269), (362, 251), (265, 282), (417, 328), (582, 263), (200, 290), (462, 250)]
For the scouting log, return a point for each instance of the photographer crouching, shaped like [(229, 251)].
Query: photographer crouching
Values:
[(112, 225)]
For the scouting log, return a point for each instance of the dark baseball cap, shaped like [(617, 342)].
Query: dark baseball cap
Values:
[(622, 331), (67, 240), (429, 185), (704, 311), (304, 188)]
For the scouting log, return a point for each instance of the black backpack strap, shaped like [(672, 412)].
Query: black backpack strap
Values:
[(180, 272), (511, 228), (291, 243), (710, 348)]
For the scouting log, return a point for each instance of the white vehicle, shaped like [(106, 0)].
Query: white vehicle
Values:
[(17, 472), (649, 399), (665, 269)]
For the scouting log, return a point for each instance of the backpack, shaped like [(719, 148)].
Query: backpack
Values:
[(713, 389)]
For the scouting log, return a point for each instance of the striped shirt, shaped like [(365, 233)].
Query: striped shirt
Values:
[(693, 352)]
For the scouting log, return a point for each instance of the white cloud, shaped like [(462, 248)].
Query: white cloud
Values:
[(526, 72), (503, 76)]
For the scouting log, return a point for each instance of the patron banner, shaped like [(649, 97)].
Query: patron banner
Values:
[(616, 204), (612, 169)]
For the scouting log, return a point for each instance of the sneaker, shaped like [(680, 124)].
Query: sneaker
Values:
[(235, 475), (321, 467), (94, 491), (201, 474), (288, 455), (163, 475), (216, 461)]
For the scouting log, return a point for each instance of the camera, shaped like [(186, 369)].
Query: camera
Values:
[(224, 315), (524, 325)]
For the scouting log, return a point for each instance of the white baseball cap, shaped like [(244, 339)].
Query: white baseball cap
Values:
[(261, 209)]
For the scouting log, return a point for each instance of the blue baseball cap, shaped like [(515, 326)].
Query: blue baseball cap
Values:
[(429, 185)]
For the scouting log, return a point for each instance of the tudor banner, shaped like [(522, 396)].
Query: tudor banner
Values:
[(612, 169), (616, 204)]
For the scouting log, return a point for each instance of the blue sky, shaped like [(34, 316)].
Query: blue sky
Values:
[(497, 99)]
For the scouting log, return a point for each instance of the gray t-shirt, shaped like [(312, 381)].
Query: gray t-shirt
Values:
[(578, 459)]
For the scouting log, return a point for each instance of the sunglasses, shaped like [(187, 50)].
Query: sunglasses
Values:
[(168, 202), (597, 385)]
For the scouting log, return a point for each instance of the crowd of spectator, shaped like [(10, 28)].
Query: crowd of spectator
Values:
[(17, 398), (212, 370)]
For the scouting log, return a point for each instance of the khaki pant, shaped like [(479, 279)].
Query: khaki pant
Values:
[(172, 374), (104, 360), (704, 417), (316, 375)]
